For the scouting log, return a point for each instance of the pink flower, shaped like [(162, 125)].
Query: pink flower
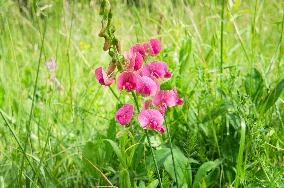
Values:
[(124, 114), (162, 130), (167, 98), (153, 47), (156, 46), (134, 58), (127, 80), (157, 69), (51, 65), (152, 119), (163, 109), (146, 86), (136, 61), (140, 49), (102, 77)]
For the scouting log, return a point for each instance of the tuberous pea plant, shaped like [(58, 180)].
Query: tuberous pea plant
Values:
[(132, 73)]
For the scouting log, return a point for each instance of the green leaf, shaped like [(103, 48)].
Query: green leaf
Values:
[(161, 155), (153, 184), (89, 150), (183, 167), (92, 153), (212, 177), (203, 170), (111, 132), (255, 87), (124, 179), (116, 151), (273, 96), (138, 155), (240, 154), (167, 85), (141, 184)]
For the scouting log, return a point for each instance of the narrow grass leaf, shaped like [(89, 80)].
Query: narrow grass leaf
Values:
[(240, 154)]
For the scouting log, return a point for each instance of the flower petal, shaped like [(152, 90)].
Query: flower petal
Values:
[(124, 114), (156, 46), (146, 86), (102, 78), (127, 80), (143, 118)]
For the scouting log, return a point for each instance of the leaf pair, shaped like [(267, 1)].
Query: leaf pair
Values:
[(182, 163), (258, 92), (206, 174)]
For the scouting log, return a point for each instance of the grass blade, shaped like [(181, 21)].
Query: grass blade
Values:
[(240, 155)]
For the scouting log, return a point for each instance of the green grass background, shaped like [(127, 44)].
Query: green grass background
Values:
[(219, 120)]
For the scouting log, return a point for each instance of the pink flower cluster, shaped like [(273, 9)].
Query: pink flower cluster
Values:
[(145, 80)]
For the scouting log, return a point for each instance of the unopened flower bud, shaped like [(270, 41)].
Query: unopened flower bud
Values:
[(106, 45)]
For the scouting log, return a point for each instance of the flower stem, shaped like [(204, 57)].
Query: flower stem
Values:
[(115, 95), (154, 158), (222, 36), (149, 142), (172, 153)]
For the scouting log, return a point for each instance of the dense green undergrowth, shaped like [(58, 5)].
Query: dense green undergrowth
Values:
[(228, 133)]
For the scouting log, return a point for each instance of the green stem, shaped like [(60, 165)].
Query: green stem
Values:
[(115, 95), (149, 142), (222, 34), (69, 64), (28, 125), (172, 153)]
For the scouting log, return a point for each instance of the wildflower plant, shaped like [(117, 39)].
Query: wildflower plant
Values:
[(51, 66), (133, 73)]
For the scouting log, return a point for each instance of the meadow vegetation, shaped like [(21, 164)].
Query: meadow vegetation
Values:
[(226, 62)]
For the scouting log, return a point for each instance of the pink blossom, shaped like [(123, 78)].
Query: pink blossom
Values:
[(102, 77), (153, 47), (134, 58), (127, 80), (163, 109), (156, 46), (146, 86), (124, 114), (168, 98), (136, 61), (140, 49), (51, 65), (148, 49), (162, 129), (157, 69), (152, 119)]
